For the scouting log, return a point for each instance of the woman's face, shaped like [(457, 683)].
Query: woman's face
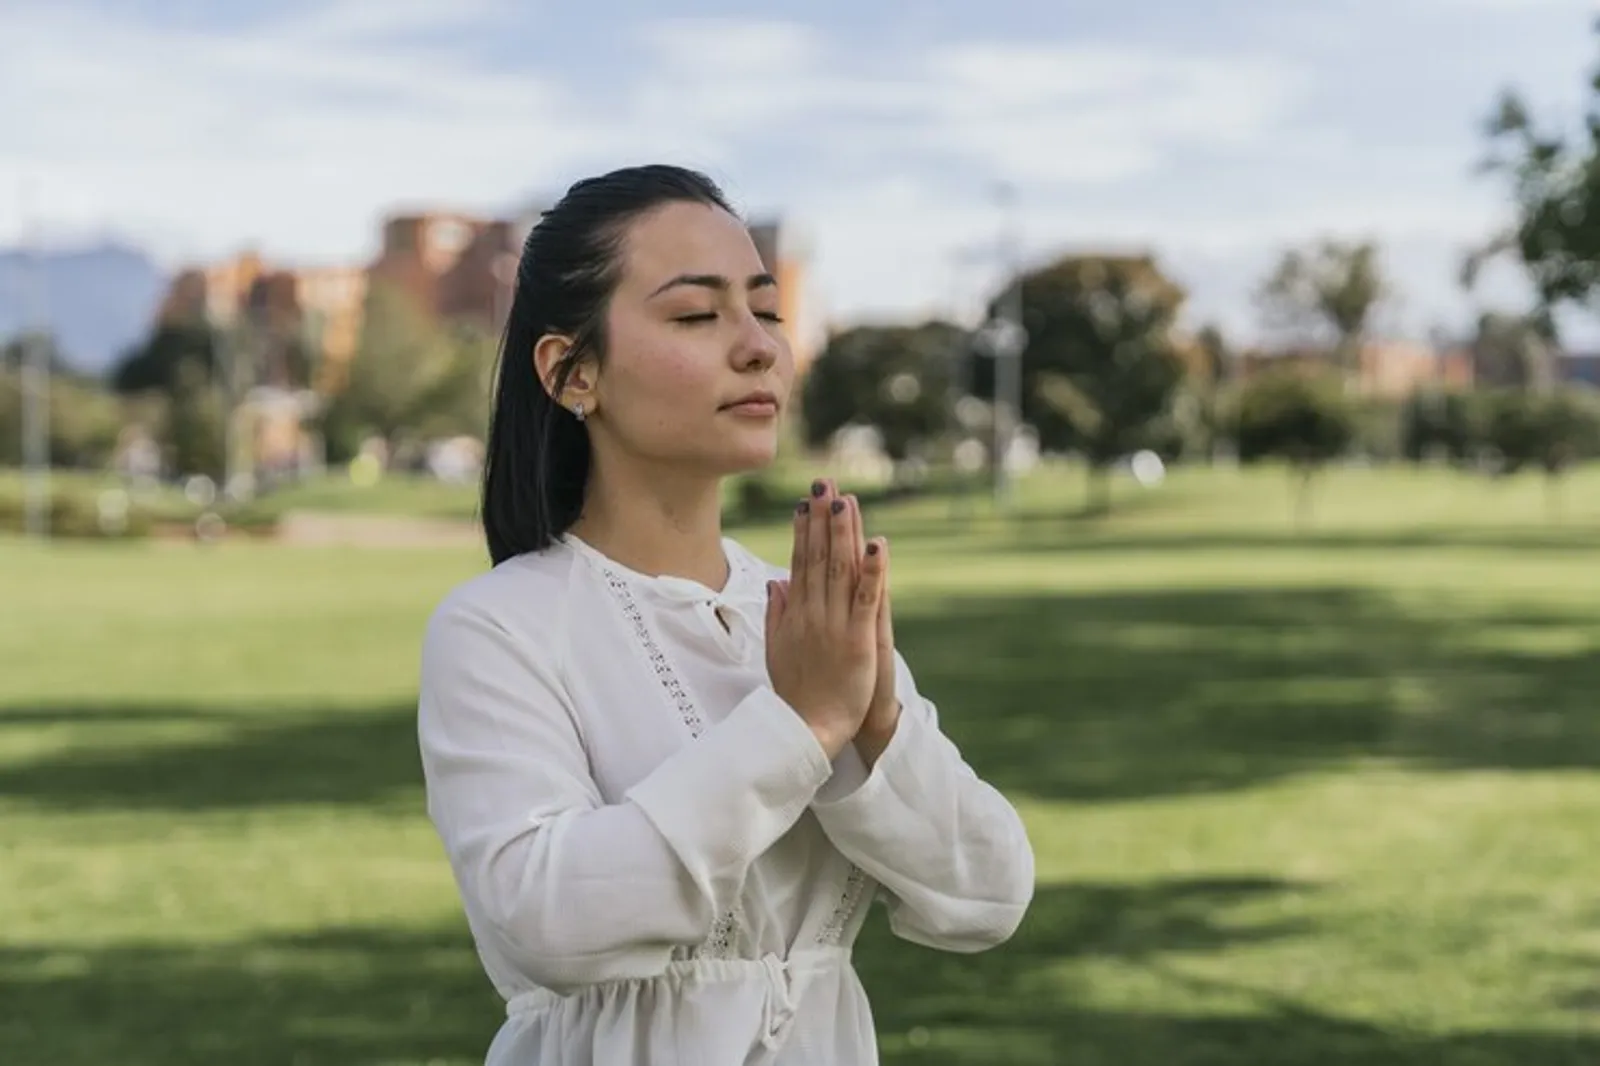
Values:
[(697, 370)]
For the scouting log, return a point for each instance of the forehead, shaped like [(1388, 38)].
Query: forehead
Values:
[(685, 238)]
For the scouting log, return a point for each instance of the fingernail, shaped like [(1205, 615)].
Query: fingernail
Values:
[(872, 548), (805, 506), (818, 488), (838, 505)]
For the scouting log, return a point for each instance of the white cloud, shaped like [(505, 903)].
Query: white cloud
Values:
[(297, 134), (1097, 114), (294, 134), (1512, 7)]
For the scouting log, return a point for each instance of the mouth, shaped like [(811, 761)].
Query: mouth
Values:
[(756, 404)]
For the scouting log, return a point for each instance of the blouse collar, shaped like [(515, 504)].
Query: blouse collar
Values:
[(733, 616)]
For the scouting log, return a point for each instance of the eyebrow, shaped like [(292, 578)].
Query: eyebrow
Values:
[(714, 281)]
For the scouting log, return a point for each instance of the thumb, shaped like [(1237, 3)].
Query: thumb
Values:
[(885, 623), (885, 615), (777, 603)]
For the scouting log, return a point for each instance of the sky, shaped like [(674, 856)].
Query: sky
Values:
[(1213, 134)]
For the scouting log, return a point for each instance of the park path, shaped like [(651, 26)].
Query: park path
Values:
[(326, 529)]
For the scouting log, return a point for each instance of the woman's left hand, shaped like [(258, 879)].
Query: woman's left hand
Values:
[(877, 729)]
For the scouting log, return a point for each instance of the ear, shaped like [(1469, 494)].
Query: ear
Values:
[(548, 354)]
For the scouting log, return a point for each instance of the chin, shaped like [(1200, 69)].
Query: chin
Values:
[(746, 462), (746, 456)]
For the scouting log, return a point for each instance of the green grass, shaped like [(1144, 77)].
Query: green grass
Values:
[(1321, 797), (397, 494)]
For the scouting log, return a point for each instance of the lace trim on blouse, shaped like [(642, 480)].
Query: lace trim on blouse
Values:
[(723, 940)]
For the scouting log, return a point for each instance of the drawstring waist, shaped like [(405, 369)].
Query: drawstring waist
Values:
[(784, 983)]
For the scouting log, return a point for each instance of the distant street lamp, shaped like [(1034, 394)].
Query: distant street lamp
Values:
[(1004, 338), (36, 352)]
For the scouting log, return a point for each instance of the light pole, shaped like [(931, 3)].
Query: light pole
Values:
[(35, 387), (1003, 338)]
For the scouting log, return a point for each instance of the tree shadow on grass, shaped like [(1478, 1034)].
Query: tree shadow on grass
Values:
[(1020, 1004), (386, 997), (259, 758), (1127, 695), (343, 997), (1081, 697)]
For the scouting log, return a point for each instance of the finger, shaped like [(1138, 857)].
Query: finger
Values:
[(869, 590), (843, 565), (885, 613), (798, 554), (858, 537), (774, 609), (815, 599)]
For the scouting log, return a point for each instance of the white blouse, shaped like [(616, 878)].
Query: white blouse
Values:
[(656, 858)]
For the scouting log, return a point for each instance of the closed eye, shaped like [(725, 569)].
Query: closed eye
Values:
[(711, 316)]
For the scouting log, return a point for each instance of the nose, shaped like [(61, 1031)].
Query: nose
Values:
[(758, 347)]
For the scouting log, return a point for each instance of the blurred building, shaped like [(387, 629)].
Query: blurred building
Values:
[(784, 252), (453, 267), (316, 310), (1399, 369), (1386, 369), (291, 327)]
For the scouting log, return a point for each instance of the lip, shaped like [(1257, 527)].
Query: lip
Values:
[(755, 403)]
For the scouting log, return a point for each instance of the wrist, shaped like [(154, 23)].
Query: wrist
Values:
[(832, 740), (875, 734)]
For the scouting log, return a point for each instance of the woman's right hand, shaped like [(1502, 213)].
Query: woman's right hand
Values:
[(822, 624)]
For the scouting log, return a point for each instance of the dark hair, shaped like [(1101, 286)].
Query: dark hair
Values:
[(536, 464)]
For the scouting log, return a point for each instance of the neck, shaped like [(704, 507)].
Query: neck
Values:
[(655, 521)]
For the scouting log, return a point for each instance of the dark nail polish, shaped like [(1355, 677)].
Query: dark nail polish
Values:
[(818, 488), (838, 505), (803, 508), (872, 549)]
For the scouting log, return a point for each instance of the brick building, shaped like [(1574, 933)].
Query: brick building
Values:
[(452, 266), (1386, 369)]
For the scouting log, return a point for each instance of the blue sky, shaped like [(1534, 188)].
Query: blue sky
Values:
[(1211, 133)]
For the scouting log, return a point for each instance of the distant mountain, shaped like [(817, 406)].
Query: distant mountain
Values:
[(98, 300)]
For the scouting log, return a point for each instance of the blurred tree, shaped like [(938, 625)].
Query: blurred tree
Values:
[(193, 433), (1514, 351), (156, 363), (1298, 416), (1554, 182), (84, 419), (1215, 388), (458, 402), (1220, 360), (896, 379), (1549, 432), (14, 355), (1325, 296), (409, 380), (1101, 368)]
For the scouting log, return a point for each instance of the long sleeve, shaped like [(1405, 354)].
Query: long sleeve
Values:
[(950, 850), (576, 890)]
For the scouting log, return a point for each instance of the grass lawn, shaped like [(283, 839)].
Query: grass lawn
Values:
[(1298, 798)]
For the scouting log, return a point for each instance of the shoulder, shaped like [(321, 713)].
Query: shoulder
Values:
[(522, 601)]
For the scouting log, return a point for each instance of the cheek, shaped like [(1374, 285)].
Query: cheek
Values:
[(666, 387)]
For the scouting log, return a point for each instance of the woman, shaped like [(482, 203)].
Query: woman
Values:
[(669, 778)]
